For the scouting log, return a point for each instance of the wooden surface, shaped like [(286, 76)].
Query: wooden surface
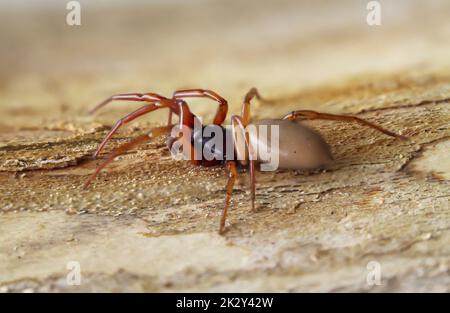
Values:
[(149, 223)]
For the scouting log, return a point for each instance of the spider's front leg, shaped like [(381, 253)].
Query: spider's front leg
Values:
[(150, 107), (222, 110), (133, 96), (154, 133)]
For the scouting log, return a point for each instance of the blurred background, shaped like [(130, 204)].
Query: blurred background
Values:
[(50, 70)]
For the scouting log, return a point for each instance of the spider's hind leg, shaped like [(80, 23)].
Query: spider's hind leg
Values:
[(313, 115)]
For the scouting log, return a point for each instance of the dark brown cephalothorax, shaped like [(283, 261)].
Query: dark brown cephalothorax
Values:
[(299, 147)]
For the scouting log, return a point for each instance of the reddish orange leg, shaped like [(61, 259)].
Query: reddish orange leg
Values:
[(154, 133), (312, 115), (252, 184), (169, 120), (231, 168), (142, 97), (130, 117), (245, 113), (237, 124), (221, 113)]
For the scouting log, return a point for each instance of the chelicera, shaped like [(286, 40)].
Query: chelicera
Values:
[(299, 146)]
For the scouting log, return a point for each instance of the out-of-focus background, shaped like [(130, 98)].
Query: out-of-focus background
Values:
[(149, 223), (282, 47)]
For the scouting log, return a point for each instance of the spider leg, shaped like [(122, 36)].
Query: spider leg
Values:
[(243, 122), (154, 133), (231, 168), (312, 115), (133, 115), (169, 120), (245, 113), (238, 125), (222, 110), (143, 97)]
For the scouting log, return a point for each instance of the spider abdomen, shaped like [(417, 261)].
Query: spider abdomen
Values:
[(299, 147)]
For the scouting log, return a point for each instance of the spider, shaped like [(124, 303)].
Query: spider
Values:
[(313, 152)]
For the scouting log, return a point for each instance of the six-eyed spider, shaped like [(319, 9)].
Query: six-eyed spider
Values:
[(299, 147)]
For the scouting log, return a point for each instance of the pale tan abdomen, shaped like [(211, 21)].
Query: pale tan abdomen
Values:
[(299, 146)]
